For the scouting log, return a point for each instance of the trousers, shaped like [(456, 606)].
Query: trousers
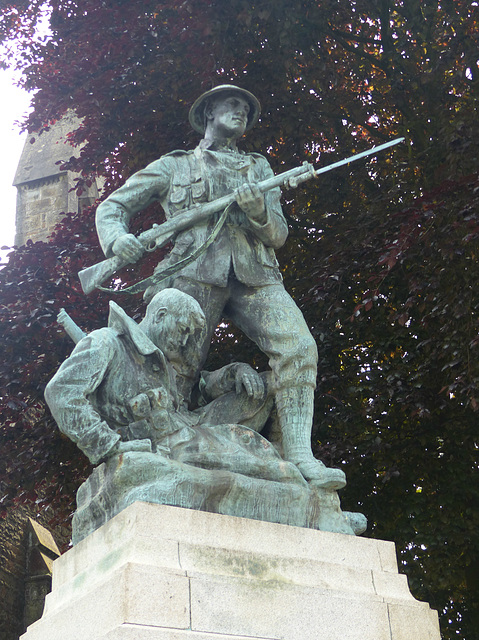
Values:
[(269, 317)]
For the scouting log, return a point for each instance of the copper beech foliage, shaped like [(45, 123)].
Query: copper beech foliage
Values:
[(382, 255)]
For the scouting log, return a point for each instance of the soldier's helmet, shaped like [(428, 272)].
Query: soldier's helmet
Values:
[(197, 111)]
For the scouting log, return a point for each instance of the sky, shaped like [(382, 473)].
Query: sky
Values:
[(14, 105)]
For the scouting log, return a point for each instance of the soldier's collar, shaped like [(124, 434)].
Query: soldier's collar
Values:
[(212, 145), (124, 325)]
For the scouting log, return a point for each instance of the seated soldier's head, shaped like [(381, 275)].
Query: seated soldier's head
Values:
[(171, 321)]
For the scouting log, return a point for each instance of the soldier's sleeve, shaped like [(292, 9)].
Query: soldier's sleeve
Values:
[(113, 215), (274, 231), (67, 395)]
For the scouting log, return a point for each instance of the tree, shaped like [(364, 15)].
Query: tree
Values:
[(381, 257)]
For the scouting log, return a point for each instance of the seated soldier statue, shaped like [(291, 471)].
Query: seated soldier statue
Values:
[(117, 398)]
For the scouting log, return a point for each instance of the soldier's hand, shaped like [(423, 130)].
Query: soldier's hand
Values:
[(249, 379), (128, 248), (251, 201)]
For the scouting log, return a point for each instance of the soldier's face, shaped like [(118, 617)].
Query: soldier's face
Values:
[(172, 331), (175, 341), (229, 115)]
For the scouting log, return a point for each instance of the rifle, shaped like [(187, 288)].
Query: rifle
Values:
[(70, 326), (92, 277)]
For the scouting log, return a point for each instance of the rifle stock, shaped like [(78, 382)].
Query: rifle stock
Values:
[(92, 277)]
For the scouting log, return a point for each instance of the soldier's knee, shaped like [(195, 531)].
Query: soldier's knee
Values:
[(307, 351)]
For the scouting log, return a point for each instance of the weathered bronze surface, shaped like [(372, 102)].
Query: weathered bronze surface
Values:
[(125, 394)]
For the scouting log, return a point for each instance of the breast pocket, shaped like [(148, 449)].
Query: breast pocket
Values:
[(178, 198), (199, 191), (178, 194)]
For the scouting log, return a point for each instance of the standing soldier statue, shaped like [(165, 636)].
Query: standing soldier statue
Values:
[(227, 260)]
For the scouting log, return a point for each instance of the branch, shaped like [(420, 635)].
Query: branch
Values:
[(359, 52), (351, 36), (385, 35)]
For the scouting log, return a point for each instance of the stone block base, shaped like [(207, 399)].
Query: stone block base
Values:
[(156, 572)]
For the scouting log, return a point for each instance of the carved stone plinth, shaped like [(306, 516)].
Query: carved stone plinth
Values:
[(156, 572)]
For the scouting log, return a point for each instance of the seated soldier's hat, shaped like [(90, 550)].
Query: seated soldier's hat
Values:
[(197, 111)]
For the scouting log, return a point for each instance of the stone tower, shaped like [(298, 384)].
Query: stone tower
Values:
[(43, 189)]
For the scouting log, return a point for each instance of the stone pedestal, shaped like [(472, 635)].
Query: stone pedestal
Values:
[(156, 572)]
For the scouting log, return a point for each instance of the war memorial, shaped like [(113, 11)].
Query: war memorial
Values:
[(207, 516)]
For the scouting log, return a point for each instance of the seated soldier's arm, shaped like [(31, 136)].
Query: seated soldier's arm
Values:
[(69, 394)]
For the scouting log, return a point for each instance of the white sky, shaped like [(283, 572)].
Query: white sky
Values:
[(14, 105)]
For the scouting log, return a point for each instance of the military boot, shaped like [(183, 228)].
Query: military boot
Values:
[(295, 407)]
